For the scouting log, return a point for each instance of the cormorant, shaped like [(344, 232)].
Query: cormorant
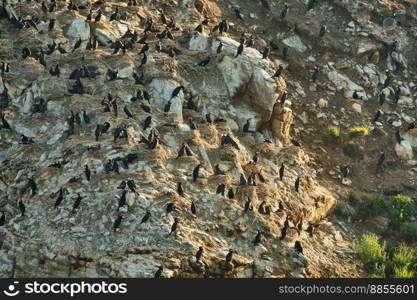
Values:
[(248, 205), (193, 208), (257, 239), (147, 122), (380, 162), (117, 223), (176, 91), (98, 131), (87, 172), (195, 172), (323, 30), (239, 50), (22, 208), (298, 248), (158, 273), (180, 191), (76, 203), (376, 118), (77, 45), (246, 126), (297, 184), (174, 225), (198, 255), (33, 186), (266, 52), (229, 256), (284, 12), (231, 194), (310, 229), (281, 171), (115, 15), (283, 233), (146, 217), (98, 16), (221, 189), (127, 112), (278, 73), (3, 219), (170, 207)]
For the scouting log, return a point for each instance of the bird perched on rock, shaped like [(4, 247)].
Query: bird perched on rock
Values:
[(298, 248), (117, 223), (87, 172), (199, 254), (146, 217), (158, 273), (174, 226), (22, 208), (229, 256), (258, 238)]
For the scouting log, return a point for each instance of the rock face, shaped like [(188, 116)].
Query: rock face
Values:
[(184, 105)]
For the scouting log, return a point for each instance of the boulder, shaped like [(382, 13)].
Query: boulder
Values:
[(79, 29)]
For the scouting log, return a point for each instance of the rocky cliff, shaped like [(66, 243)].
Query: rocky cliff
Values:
[(134, 133)]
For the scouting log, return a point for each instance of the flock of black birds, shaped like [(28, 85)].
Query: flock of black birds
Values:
[(128, 42)]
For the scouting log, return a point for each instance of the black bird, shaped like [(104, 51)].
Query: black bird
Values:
[(87, 173), (22, 208), (132, 186), (258, 238), (377, 115), (26, 53), (285, 52), (284, 12), (229, 256), (115, 15), (77, 45), (231, 194), (355, 95), (167, 106), (243, 180), (311, 4), (117, 223), (127, 112), (174, 226), (3, 219), (60, 197), (51, 24), (398, 137), (180, 191), (380, 162), (138, 79), (300, 227), (122, 200), (170, 207), (283, 233), (193, 208), (144, 59), (146, 217), (98, 16), (195, 172), (246, 126), (323, 30), (278, 73), (4, 122), (33, 186), (316, 74), (239, 50), (90, 15), (86, 117), (76, 203), (266, 4), (280, 206), (410, 126), (176, 91), (209, 118), (345, 171), (273, 45), (297, 184), (147, 122), (204, 62), (221, 189), (199, 28), (387, 81), (310, 229), (158, 273), (266, 52), (111, 75), (281, 172), (248, 205), (219, 48), (98, 131), (227, 139), (283, 99), (55, 71), (298, 248), (381, 98), (60, 49), (397, 95), (198, 255)]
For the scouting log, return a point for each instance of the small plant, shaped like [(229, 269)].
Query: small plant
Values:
[(334, 132), (359, 131), (402, 273), (402, 209), (374, 206), (371, 251), (409, 231), (403, 256), (351, 149)]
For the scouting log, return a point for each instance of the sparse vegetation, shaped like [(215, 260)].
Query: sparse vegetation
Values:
[(402, 209), (334, 132), (409, 231), (374, 206), (351, 149), (358, 131), (401, 262)]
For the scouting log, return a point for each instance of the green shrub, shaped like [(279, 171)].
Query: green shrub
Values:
[(359, 131), (402, 208), (409, 232), (371, 252), (351, 149), (374, 206), (334, 132), (402, 273)]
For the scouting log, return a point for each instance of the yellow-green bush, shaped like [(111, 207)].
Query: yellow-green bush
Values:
[(358, 131), (334, 132), (402, 208)]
